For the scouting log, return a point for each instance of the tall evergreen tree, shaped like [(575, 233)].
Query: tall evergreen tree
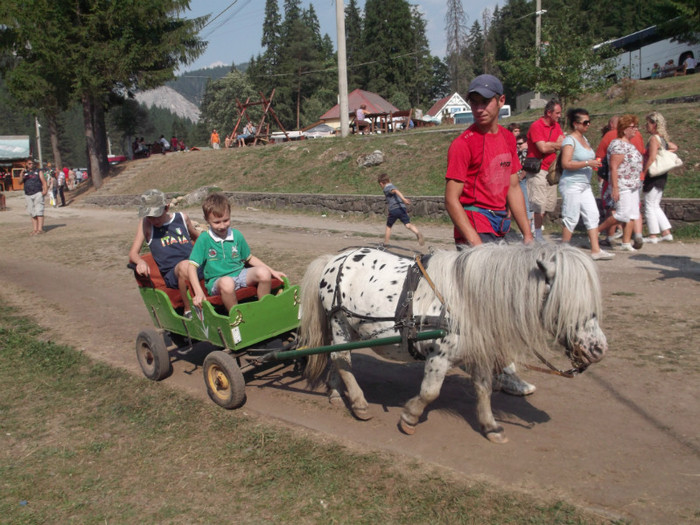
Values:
[(105, 47), (456, 31), (353, 46), (388, 45)]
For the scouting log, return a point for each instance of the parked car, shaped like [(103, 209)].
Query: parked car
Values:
[(322, 130)]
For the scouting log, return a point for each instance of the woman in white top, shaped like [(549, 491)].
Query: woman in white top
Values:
[(578, 162), (653, 188)]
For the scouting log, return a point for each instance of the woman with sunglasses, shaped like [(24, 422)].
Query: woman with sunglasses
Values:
[(657, 222), (578, 162), (625, 164)]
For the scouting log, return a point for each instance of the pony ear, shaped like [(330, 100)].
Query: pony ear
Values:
[(547, 268)]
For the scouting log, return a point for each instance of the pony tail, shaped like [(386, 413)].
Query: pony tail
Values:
[(313, 330)]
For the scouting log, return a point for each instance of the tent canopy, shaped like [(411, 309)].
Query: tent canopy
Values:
[(374, 102)]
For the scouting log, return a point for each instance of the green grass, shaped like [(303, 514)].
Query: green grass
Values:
[(86, 443)]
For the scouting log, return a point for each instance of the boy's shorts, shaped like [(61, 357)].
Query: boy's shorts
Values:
[(543, 197), (397, 214), (239, 280), (35, 204), (171, 280)]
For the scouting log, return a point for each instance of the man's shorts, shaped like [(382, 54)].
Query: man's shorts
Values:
[(543, 197), (397, 214), (239, 280), (35, 204), (171, 280), (627, 208)]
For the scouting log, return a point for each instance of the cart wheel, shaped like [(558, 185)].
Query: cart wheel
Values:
[(153, 355), (224, 380)]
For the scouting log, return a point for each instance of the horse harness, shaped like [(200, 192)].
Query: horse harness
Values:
[(404, 319)]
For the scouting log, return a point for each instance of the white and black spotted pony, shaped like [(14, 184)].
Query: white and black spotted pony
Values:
[(496, 302)]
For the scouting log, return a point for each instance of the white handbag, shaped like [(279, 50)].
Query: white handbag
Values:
[(664, 162)]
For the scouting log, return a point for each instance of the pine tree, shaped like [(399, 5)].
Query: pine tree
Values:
[(104, 48), (456, 31), (353, 47)]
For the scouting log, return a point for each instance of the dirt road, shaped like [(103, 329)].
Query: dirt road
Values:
[(622, 439)]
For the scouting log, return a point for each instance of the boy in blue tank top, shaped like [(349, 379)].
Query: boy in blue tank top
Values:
[(169, 236)]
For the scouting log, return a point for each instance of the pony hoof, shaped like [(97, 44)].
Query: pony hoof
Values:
[(497, 436), (362, 414), (407, 428)]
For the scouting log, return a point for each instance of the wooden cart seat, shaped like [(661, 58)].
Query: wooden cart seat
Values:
[(155, 280)]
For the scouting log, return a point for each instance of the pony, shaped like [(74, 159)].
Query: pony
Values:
[(496, 302)]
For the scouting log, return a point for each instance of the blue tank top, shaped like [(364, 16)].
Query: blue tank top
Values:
[(170, 243)]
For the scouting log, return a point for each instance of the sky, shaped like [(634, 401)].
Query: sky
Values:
[(235, 35)]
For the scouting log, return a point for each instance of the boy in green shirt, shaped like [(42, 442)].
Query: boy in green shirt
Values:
[(225, 256)]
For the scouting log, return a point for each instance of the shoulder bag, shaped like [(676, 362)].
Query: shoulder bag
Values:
[(664, 162)]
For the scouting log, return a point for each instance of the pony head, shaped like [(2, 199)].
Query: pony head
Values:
[(573, 304)]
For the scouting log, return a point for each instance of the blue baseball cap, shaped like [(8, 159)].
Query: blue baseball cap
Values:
[(487, 86)]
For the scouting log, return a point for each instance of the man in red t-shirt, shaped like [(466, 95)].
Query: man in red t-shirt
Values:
[(543, 141), (483, 190)]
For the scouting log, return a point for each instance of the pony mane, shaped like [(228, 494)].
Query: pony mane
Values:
[(501, 305)]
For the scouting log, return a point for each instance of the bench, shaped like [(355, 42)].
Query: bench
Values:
[(401, 120), (155, 280)]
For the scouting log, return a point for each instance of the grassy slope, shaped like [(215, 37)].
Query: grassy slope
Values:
[(415, 160)]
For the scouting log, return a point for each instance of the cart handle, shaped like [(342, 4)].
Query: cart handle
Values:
[(353, 345)]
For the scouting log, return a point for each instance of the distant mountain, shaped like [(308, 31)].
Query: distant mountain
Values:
[(167, 98), (192, 84)]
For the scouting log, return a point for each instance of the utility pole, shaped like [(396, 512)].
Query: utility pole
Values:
[(38, 139), (342, 69)]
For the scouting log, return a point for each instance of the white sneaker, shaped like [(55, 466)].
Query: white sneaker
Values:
[(512, 384), (602, 255), (617, 234), (651, 240), (668, 238), (627, 247)]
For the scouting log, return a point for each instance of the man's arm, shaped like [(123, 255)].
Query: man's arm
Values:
[(545, 147), (516, 204), (453, 190)]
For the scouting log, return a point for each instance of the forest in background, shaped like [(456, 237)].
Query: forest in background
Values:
[(388, 53)]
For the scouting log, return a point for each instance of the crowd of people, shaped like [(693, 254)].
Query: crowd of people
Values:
[(620, 163)]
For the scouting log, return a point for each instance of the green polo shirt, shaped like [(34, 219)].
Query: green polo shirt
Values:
[(220, 257)]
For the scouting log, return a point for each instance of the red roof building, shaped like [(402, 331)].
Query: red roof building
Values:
[(374, 103)]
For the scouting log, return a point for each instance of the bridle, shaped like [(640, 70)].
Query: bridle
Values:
[(578, 365)]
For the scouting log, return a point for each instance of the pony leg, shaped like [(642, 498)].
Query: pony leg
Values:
[(435, 369), (492, 430), (335, 387), (343, 368)]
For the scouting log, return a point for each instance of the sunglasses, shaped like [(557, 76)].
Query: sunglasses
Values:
[(585, 122), (520, 143)]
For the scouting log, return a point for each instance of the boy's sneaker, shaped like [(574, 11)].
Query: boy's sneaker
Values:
[(512, 384), (187, 314), (602, 255), (667, 238), (627, 247), (617, 234), (651, 240), (637, 242)]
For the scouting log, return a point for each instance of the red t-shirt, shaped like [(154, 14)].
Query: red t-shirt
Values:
[(484, 162), (602, 150), (540, 131)]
